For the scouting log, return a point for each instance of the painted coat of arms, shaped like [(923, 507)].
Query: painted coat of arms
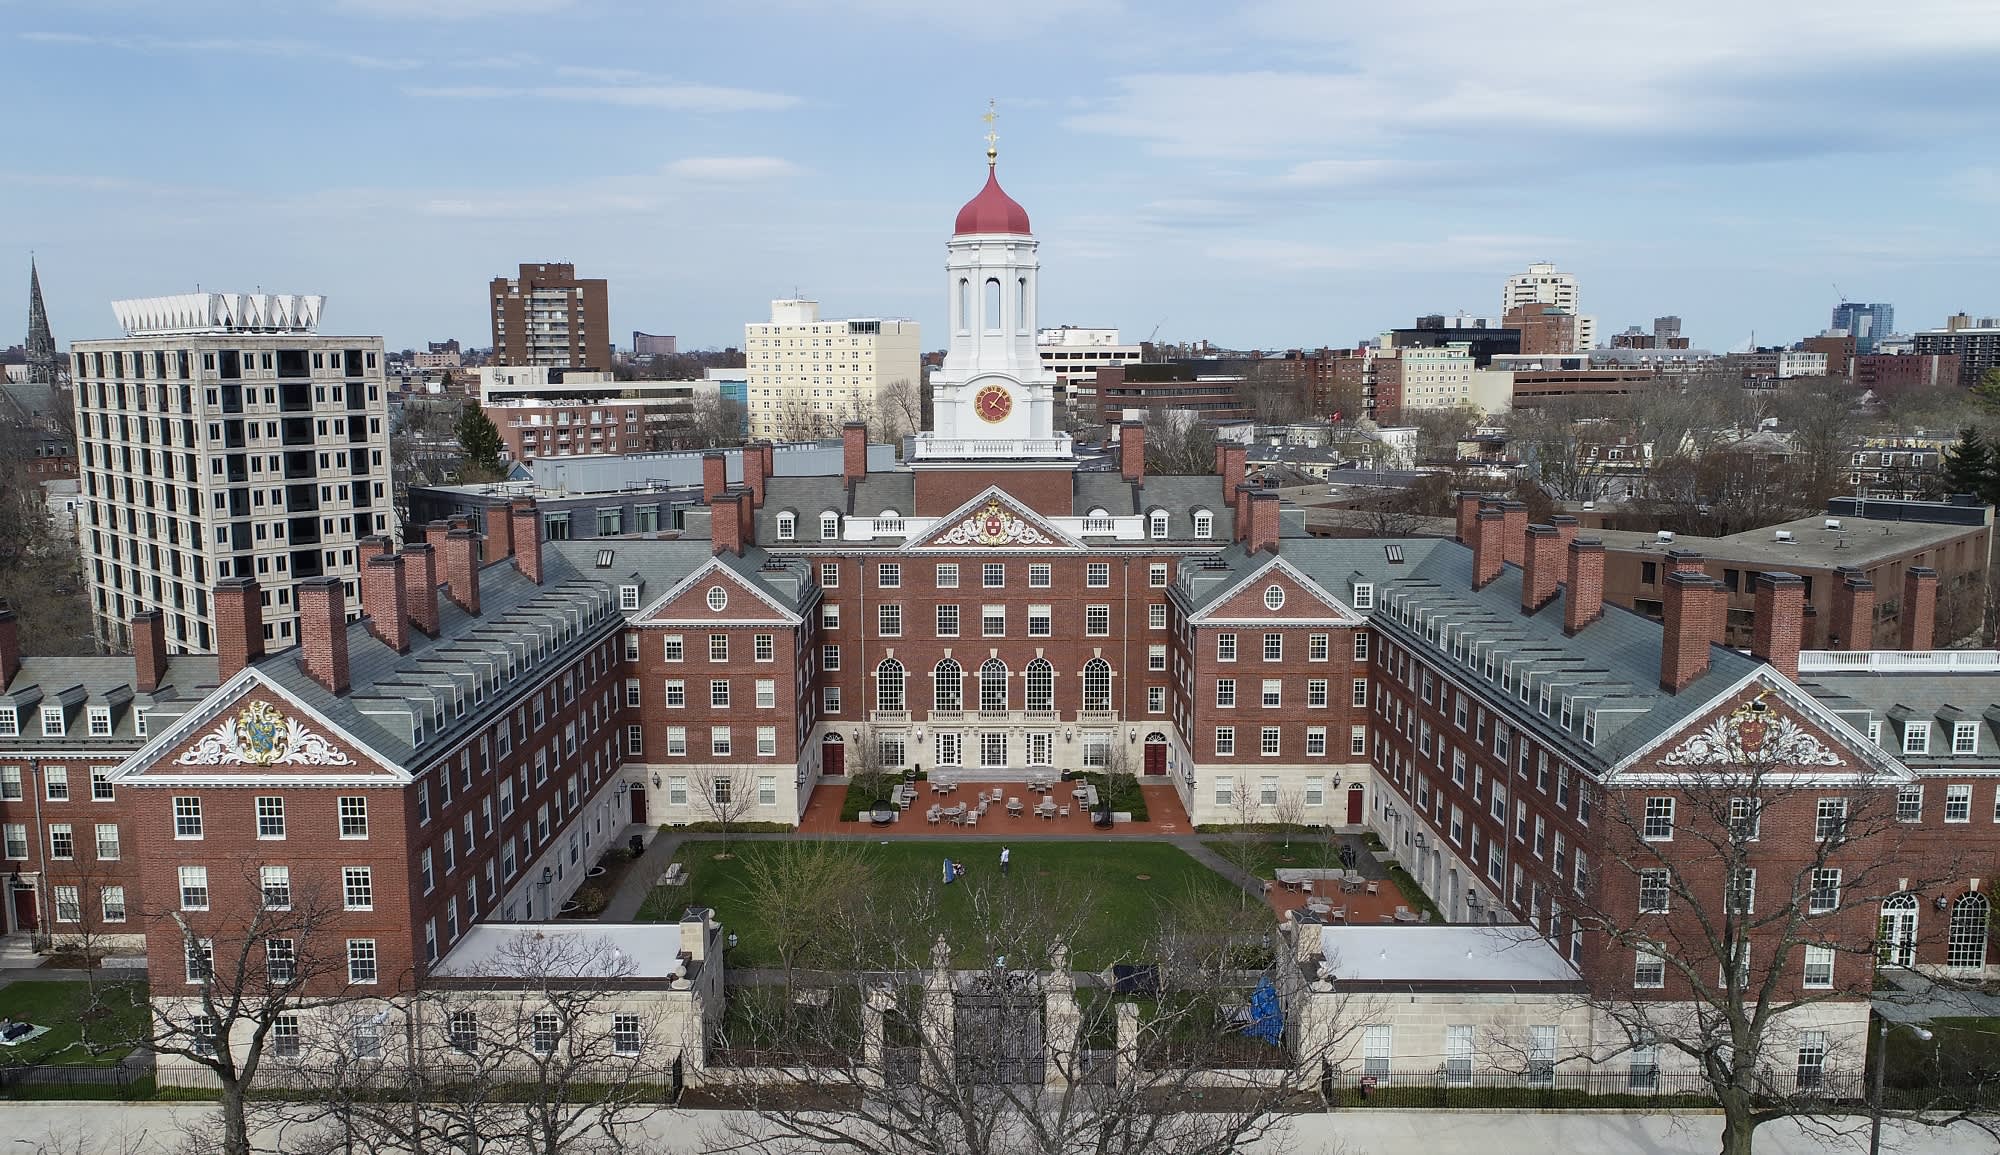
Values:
[(1753, 733), (261, 736), (995, 524)]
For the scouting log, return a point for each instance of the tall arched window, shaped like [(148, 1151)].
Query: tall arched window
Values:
[(1021, 305), (1966, 946), (964, 304), (1896, 945), (948, 686), (993, 686), (1097, 684), (993, 304), (889, 686), (1041, 685)]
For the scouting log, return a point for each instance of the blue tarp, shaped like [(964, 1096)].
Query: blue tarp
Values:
[(1267, 1018)]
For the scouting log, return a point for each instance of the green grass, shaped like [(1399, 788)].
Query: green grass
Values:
[(868, 792), (1412, 893), (1122, 792), (1261, 858), (1958, 1067), (63, 1007), (1120, 912)]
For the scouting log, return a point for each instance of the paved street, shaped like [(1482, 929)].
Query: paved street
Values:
[(155, 1129)]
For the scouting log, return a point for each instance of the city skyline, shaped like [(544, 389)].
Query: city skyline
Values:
[(1275, 175)]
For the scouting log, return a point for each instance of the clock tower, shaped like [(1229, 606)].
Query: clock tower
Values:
[(992, 400)]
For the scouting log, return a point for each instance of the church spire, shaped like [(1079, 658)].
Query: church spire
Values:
[(41, 343)]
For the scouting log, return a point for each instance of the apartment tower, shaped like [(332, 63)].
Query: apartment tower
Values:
[(548, 316)]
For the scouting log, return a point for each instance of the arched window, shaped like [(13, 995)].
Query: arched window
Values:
[(829, 526), (1041, 686), (1156, 523), (1097, 684), (948, 687), (993, 304), (993, 686), (788, 526), (964, 304), (1896, 945), (1204, 524), (889, 686), (1021, 305), (1966, 946)]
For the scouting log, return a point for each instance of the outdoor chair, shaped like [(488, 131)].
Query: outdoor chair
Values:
[(972, 819), (1065, 811), (935, 815), (1374, 888)]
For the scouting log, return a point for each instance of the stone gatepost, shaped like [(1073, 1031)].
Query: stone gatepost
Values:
[(1128, 1044), (880, 1001), (1062, 1021), (940, 1017)]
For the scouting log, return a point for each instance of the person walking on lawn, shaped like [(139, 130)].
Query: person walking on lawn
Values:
[(1005, 856)]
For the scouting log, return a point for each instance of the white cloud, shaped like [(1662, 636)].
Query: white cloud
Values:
[(674, 97), (1454, 253), (225, 47), (730, 169), (451, 9)]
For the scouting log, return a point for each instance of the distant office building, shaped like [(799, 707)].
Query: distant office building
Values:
[(1484, 341), (224, 437), (1838, 349), (655, 345), (1974, 341), (1543, 329), (549, 412), (1888, 374), (807, 376), (1667, 333), (1866, 323), (1075, 354), (1542, 284), (549, 317), (1436, 377)]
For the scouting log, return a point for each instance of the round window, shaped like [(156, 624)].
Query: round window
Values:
[(718, 598), (1274, 597)]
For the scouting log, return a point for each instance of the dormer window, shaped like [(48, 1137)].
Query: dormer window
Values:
[(1157, 523), (53, 725), (1917, 738), (1364, 595), (628, 597), (1204, 524), (100, 721), (788, 526), (1965, 737), (10, 722), (829, 526)]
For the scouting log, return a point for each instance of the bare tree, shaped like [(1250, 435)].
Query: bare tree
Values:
[(1275, 393), (1177, 443), (1440, 430), (970, 1033), (899, 410), (1562, 442), (805, 895), (1738, 901), (557, 1045), (724, 798)]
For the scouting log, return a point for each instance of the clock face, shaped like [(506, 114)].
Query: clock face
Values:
[(994, 403)]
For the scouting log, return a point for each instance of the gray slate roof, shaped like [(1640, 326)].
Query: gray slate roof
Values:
[(1894, 697), (84, 682)]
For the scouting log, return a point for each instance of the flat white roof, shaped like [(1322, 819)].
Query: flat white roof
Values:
[(1507, 954), (497, 950)]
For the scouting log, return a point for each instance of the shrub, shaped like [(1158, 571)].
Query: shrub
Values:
[(591, 900)]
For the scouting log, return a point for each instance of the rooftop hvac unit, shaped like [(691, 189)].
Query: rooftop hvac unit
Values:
[(1833, 523), (1783, 535), (1666, 536)]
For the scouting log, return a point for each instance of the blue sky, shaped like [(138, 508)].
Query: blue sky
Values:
[(1282, 173)]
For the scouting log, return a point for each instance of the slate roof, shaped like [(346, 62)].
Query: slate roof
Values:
[(1895, 696), (1179, 495), (84, 682)]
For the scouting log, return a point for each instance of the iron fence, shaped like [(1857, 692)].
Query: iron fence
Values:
[(1438, 1087)]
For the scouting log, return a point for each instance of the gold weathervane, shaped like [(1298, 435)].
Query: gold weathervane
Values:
[(992, 137)]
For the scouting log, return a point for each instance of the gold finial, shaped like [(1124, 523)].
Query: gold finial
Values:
[(992, 137)]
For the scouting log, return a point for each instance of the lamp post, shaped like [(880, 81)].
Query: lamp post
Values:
[(1881, 1069), (548, 877)]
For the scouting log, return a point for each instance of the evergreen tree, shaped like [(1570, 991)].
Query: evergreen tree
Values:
[(480, 442), (1987, 392), (1968, 466)]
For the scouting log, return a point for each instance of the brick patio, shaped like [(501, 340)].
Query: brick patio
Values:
[(1163, 806)]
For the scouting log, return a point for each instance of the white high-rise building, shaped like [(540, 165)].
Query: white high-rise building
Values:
[(1075, 354), (1542, 284), (808, 376), (224, 436)]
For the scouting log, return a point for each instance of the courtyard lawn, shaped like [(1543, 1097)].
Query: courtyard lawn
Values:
[(1121, 917), (1263, 858), (1958, 1068), (61, 1006)]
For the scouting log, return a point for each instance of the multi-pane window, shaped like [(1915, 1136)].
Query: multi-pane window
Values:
[(624, 1034), (1653, 890), (1659, 821), (1274, 647), (947, 575), (1649, 970), (1316, 741), (1746, 818), (281, 960), (1225, 693), (993, 686), (270, 816), (547, 1030), (718, 693), (1910, 803), (1818, 968), (101, 788), (1316, 693), (194, 887), (1225, 647), (1825, 896), (187, 816), (62, 841), (889, 575), (1916, 738), (1958, 802), (69, 904), (1041, 622), (1740, 893), (1812, 1060), (1096, 621), (357, 888), (1965, 737), (199, 957), (1040, 576), (276, 882), (1156, 616), (1097, 574), (56, 779), (354, 815), (993, 621), (672, 648), (1225, 741), (1830, 820), (677, 691), (1267, 741), (993, 575), (719, 742), (718, 647), (114, 903), (889, 620), (1359, 693), (108, 849), (1375, 1052), (1273, 694), (361, 960), (947, 621), (1041, 682), (767, 742)]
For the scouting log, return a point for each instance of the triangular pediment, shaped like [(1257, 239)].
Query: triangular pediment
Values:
[(252, 730), (993, 519), (1764, 725), (1299, 600), (689, 601)]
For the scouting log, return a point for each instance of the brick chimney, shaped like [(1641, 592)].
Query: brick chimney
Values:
[(1565, 529), (383, 600), (524, 523), (1541, 573), (725, 526), (1516, 540), (1779, 630), (377, 545), (149, 650), (770, 459), (239, 626), (461, 569), (1468, 515), (714, 476), (434, 534), (1685, 561), (420, 587), (1132, 451), (1693, 611), (323, 631), (1263, 533), (1583, 597), (1919, 617), (746, 519), (755, 467), (1488, 551), (499, 534), (853, 451), (1809, 629), (1852, 625), (1229, 464)]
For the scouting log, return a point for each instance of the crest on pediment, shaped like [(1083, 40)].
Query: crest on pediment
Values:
[(260, 735), (994, 524), (1753, 734)]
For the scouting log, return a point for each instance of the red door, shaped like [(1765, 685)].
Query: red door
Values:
[(639, 805), (24, 908), (833, 758), (1156, 757), (1354, 805)]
